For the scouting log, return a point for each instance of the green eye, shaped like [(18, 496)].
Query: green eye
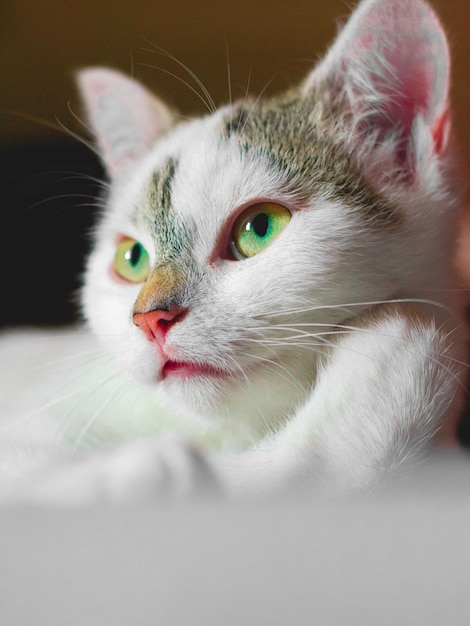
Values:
[(257, 227), (131, 261)]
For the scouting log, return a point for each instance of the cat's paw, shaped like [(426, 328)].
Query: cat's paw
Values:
[(145, 471)]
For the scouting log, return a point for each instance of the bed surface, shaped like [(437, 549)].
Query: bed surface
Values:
[(401, 556)]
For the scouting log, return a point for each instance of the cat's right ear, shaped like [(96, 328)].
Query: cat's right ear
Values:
[(125, 118)]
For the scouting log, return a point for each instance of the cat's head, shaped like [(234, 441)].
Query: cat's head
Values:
[(232, 245)]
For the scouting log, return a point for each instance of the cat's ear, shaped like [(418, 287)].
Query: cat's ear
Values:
[(389, 68), (125, 118)]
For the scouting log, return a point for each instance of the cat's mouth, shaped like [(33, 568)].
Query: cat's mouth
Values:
[(180, 369)]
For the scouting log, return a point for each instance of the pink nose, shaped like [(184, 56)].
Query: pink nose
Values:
[(156, 324)]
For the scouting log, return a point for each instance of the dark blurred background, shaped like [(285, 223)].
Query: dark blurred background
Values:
[(47, 187)]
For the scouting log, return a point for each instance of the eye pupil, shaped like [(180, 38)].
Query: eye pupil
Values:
[(261, 224), (136, 253)]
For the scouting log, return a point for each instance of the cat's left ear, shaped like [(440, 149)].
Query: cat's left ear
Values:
[(125, 118), (388, 73)]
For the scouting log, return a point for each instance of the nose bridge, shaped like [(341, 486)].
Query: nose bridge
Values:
[(161, 290)]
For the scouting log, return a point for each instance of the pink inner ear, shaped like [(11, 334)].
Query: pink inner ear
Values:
[(391, 60), (126, 119), (441, 131), (405, 63), (408, 40), (410, 95), (402, 92)]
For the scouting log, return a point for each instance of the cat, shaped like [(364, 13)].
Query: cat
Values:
[(274, 281)]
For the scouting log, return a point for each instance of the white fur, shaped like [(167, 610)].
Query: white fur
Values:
[(332, 377)]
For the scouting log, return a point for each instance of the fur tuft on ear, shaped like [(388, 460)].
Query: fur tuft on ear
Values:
[(389, 72), (125, 118)]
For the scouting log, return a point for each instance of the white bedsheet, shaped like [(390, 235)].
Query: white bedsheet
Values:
[(400, 557)]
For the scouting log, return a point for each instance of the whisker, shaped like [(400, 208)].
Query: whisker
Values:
[(290, 377), (112, 399), (65, 391), (229, 80), (82, 176), (337, 329), (78, 138), (342, 329), (290, 341), (57, 126), (238, 367), (54, 401), (346, 306), (255, 103), (181, 80), (206, 98), (92, 202), (247, 91), (77, 118), (90, 390)]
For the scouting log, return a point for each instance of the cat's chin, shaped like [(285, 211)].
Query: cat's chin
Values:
[(201, 394)]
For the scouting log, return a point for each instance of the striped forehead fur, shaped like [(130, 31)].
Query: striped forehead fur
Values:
[(303, 142), (172, 236)]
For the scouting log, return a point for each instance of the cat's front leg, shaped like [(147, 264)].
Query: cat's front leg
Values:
[(385, 389), (143, 471)]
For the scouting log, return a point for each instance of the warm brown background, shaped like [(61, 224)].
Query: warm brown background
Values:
[(45, 209), (43, 42)]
